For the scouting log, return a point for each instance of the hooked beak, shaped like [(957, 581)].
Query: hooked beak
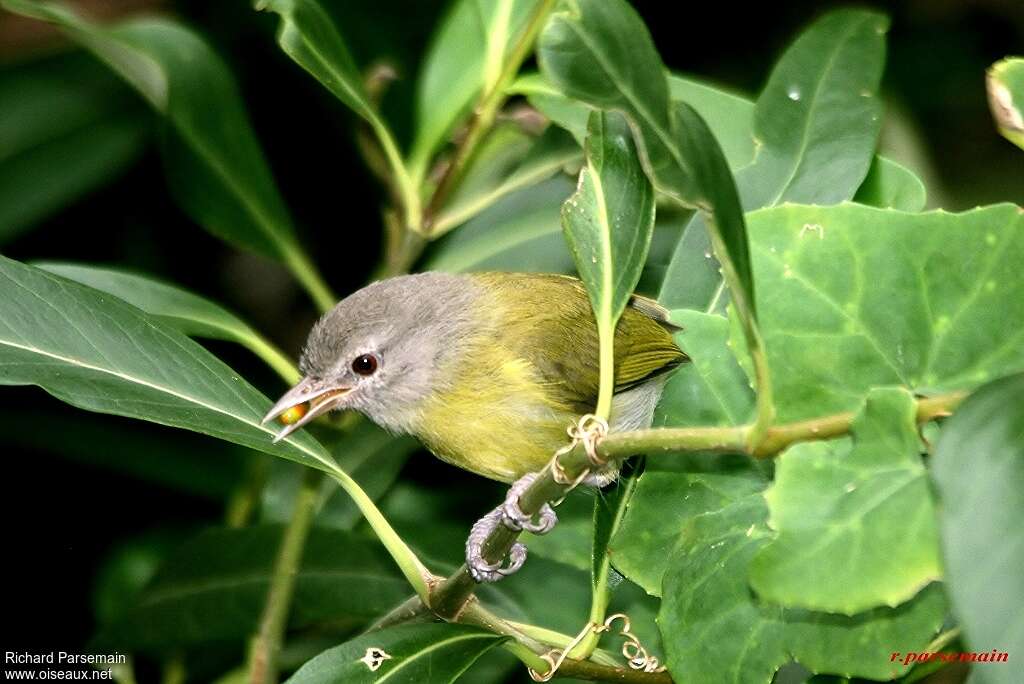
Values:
[(320, 396)]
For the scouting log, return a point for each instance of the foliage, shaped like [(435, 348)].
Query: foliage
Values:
[(822, 308)]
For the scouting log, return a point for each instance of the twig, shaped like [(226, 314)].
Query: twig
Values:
[(267, 643), (483, 116)]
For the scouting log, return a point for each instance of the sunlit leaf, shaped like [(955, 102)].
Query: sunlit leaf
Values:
[(843, 512), (979, 471), (855, 297), (1006, 98)]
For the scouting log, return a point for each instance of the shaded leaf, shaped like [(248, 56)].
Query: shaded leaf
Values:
[(844, 514), (429, 653), (366, 452), (890, 185), (178, 308), (708, 603), (48, 161), (98, 353), (507, 161), (1005, 83), (979, 472), (463, 61), (817, 123), (215, 165), (214, 588), (521, 232), (856, 297)]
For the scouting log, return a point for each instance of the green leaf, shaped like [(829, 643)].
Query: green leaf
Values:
[(1005, 83), (979, 472), (608, 223), (890, 185), (521, 232), (845, 513), (214, 587), (215, 165), (707, 603), (463, 61), (508, 160), (429, 653), (816, 122), (308, 35), (99, 353), (855, 297), (180, 309), (712, 389), (48, 161)]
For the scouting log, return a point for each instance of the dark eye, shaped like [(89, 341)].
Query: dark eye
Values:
[(365, 364)]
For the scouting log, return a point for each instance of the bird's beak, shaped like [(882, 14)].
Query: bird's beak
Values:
[(321, 396)]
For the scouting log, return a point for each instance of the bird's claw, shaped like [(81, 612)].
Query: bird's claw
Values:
[(515, 519), (480, 569), (511, 516)]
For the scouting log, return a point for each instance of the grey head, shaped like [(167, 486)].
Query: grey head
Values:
[(383, 349)]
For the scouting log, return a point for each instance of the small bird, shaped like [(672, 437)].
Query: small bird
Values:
[(486, 369)]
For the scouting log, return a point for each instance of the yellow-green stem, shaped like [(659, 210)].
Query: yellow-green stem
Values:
[(606, 388), (273, 357), (307, 275), (268, 641)]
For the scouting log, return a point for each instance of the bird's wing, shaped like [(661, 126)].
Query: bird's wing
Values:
[(546, 320)]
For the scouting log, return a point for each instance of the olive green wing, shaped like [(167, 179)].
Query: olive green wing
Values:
[(548, 321)]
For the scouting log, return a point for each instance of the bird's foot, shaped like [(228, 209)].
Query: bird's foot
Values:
[(511, 516)]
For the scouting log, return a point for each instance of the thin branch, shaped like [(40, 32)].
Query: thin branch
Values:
[(267, 643), (483, 116), (450, 597)]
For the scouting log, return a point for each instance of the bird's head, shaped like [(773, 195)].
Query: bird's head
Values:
[(383, 351)]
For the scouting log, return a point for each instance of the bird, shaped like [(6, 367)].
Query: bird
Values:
[(486, 369)]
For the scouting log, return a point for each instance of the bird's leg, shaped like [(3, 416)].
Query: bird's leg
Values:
[(511, 516)]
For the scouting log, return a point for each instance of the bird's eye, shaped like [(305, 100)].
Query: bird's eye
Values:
[(365, 364)]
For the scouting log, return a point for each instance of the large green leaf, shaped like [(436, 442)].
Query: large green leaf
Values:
[(715, 631), (214, 588), (855, 297), (47, 161), (843, 513), (608, 223), (890, 185), (521, 232), (178, 308), (464, 60), (99, 353), (816, 122), (215, 164), (426, 654), (979, 471), (1006, 98)]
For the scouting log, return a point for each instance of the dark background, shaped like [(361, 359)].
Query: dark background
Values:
[(63, 515)]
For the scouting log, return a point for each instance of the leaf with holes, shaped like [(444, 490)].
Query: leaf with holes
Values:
[(845, 511), (855, 297)]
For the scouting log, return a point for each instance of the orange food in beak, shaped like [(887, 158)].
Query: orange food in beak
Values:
[(294, 414)]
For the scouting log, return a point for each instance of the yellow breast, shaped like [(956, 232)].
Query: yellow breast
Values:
[(495, 420)]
